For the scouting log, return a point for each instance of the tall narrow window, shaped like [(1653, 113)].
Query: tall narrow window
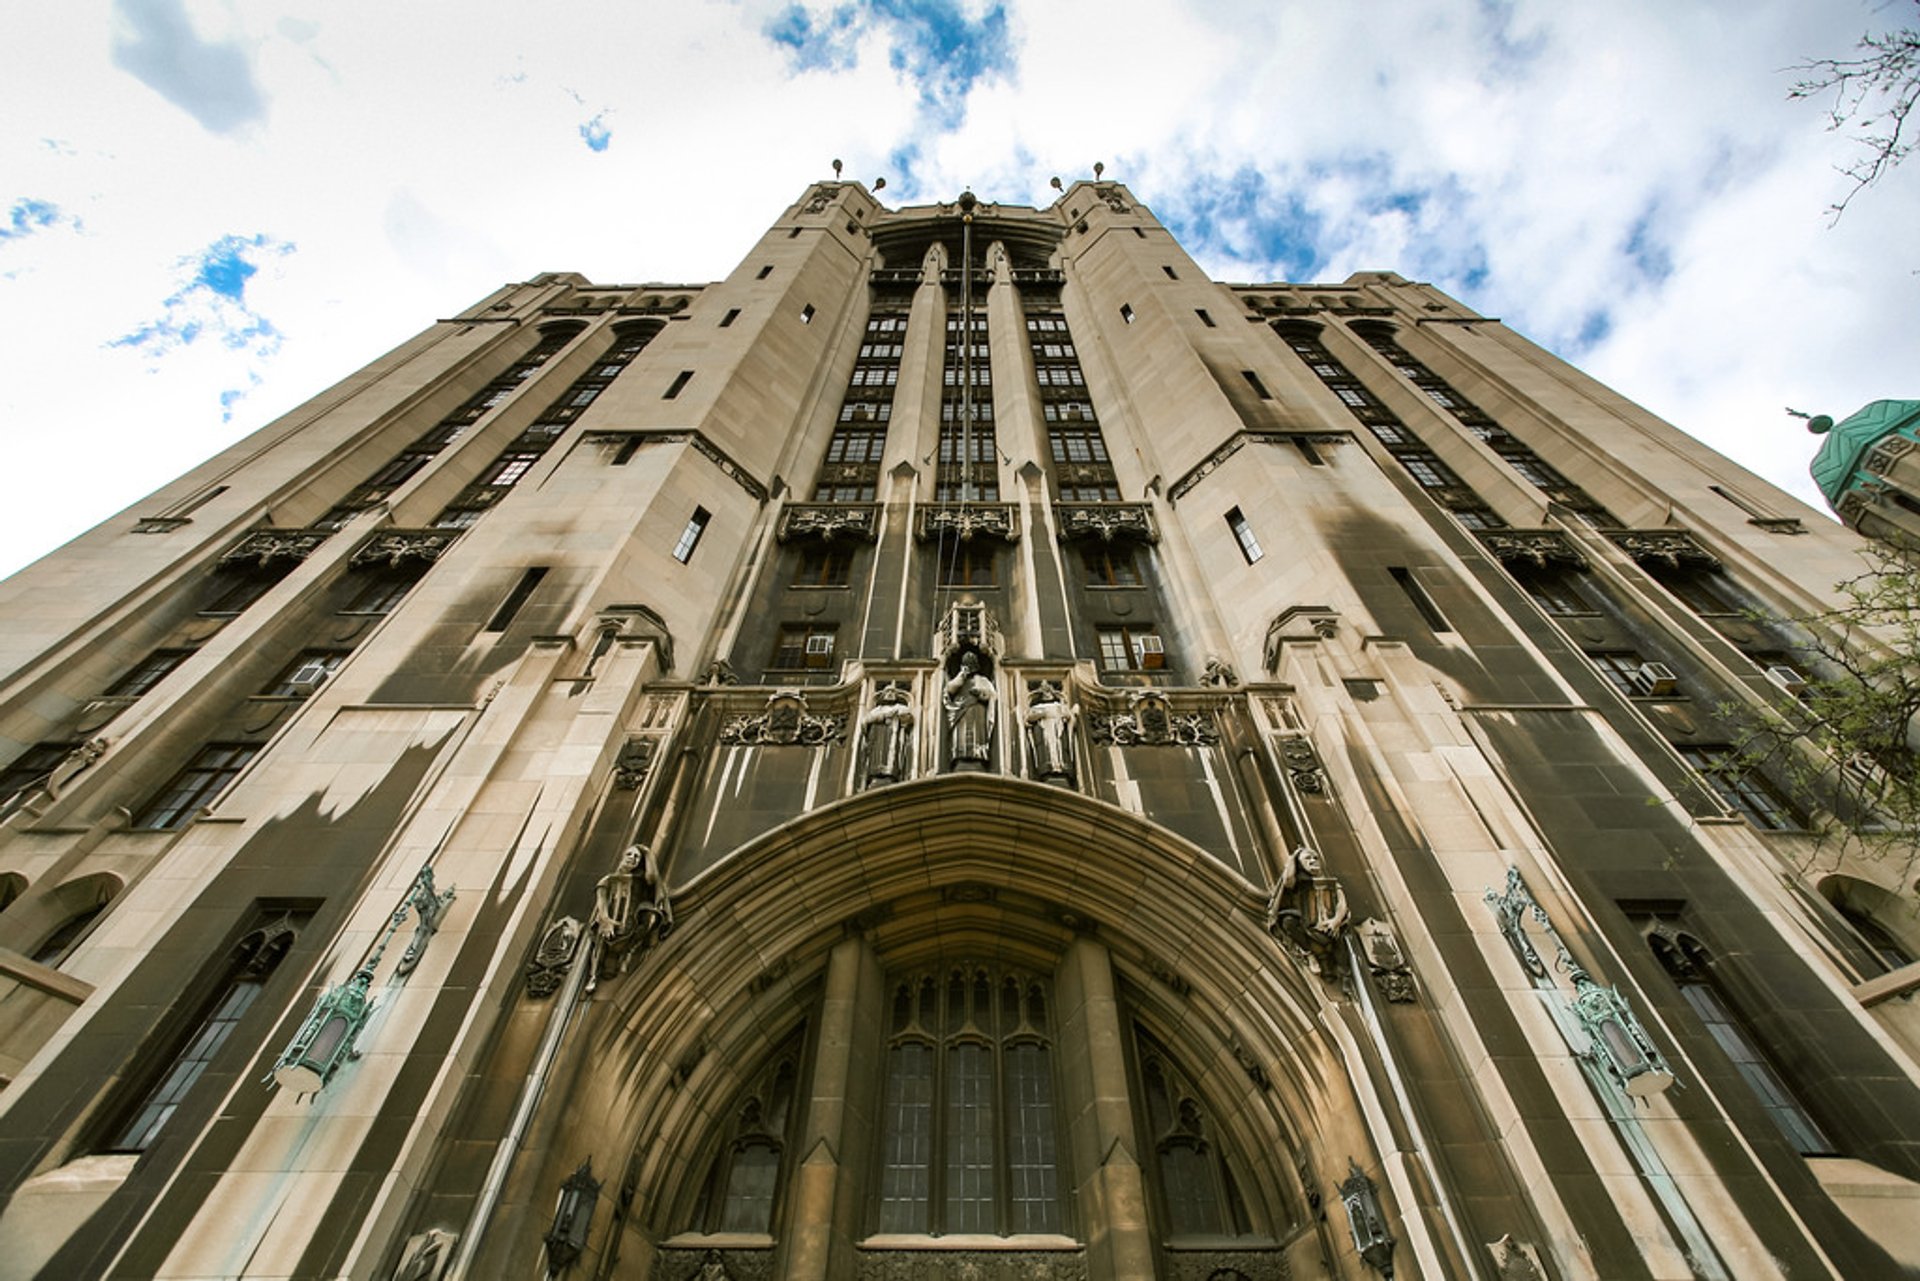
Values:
[(679, 384), (803, 647), (1126, 312), (1169, 271), (1197, 1193), (1429, 612), (765, 271), (29, 771), (1205, 319), (969, 1133), (148, 672), (1082, 470), (1243, 534), (1253, 381), (850, 472), (207, 775), (743, 1181), (1687, 962), (806, 314), (726, 321), (203, 1033), (521, 592), (690, 536)]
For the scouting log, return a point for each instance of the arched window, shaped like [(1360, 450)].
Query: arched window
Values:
[(1197, 1192), (1885, 923), (743, 1178), (969, 1136)]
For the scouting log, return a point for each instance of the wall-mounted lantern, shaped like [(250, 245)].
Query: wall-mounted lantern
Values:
[(326, 1040), (1366, 1220), (572, 1217), (1619, 1043)]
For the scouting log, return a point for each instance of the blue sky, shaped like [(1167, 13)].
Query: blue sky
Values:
[(210, 212)]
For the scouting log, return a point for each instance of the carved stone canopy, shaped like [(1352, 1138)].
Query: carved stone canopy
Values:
[(1152, 721), (1672, 547), (263, 547), (828, 521), (970, 520), (394, 547), (1106, 522), (787, 722), (1537, 547)]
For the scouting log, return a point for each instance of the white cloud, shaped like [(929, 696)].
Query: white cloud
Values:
[(420, 154)]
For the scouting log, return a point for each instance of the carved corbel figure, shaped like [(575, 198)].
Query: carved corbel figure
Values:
[(1308, 910), (630, 909)]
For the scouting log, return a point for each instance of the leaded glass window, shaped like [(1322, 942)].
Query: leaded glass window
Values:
[(969, 1136), (1195, 1183), (742, 1187)]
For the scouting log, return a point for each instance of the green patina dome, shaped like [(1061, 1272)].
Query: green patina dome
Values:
[(1836, 468)]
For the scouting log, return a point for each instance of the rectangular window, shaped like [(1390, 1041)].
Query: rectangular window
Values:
[(1131, 649), (198, 785), (522, 590), (1552, 592), (1427, 471), (824, 565), (1110, 565), (508, 469), (379, 593), (148, 672), (690, 536), (1253, 381), (679, 383), (1429, 612), (968, 564), (1243, 534), (1169, 271), (765, 271), (726, 321), (803, 647), (234, 590), (1746, 791), (1621, 667), (1205, 319), (305, 673), (806, 314), (1126, 312)]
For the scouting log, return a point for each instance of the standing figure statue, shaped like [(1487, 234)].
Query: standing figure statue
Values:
[(969, 699), (886, 738), (1049, 735), (1309, 909), (630, 908)]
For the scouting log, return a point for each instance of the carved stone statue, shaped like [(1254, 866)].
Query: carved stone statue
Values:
[(1220, 673), (630, 908), (969, 699), (886, 738), (1309, 909), (1049, 734)]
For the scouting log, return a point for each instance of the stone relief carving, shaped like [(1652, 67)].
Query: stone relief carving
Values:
[(827, 521), (1675, 547), (1883, 455), (1308, 910), (1106, 521), (631, 910), (1386, 962), (426, 1256), (1303, 764), (886, 738), (548, 968), (715, 1265), (971, 1265), (970, 520), (1049, 735), (1229, 1265), (265, 546), (785, 723), (635, 760), (394, 547), (1538, 547), (817, 203), (1220, 674), (1152, 722), (1515, 1260), (719, 672)]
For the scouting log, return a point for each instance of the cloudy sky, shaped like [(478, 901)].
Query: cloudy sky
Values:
[(212, 209)]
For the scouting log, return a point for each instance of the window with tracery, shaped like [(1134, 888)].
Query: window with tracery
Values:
[(743, 1180), (1195, 1183), (969, 1134)]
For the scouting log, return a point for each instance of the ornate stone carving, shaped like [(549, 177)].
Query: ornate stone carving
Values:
[(1220, 674), (1116, 202), (970, 520), (1173, 981), (394, 547), (263, 547), (732, 470), (822, 197), (636, 758), (1303, 764), (1228, 1265), (715, 1265), (1152, 722), (1251, 1066), (1106, 521), (1511, 907), (1883, 455), (548, 968), (970, 1265), (886, 738), (828, 521), (160, 524), (1308, 911), (1386, 962), (428, 907), (1538, 547), (631, 910), (426, 1256), (1515, 1260), (719, 672), (1674, 547), (1049, 735), (1208, 465), (785, 723)]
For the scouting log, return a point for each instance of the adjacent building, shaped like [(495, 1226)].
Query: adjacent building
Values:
[(965, 748)]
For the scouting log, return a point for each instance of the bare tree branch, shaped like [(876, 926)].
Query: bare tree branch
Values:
[(1872, 96)]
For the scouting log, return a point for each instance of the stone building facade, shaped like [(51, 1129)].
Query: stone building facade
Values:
[(962, 749)]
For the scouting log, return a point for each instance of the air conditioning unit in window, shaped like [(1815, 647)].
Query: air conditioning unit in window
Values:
[(819, 644), (1152, 653), (1655, 678), (1787, 678)]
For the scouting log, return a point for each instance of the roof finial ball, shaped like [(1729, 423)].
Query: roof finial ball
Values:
[(1055, 184), (1818, 424), (879, 184), (836, 171), (1098, 169), (967, 202)]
